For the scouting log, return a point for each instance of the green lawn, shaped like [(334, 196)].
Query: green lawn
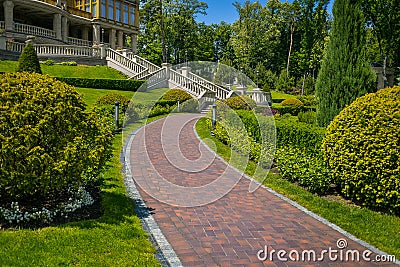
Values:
[(279, 95), (81, 71), (115, 239), (380, 230), (90, 95)]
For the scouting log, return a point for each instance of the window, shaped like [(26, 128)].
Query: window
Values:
[(118, 11), (103, 9), (132, 18), (111, 9), (94, 10), (126, 13)]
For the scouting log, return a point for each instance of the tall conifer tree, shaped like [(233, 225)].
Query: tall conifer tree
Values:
[(345, 73)]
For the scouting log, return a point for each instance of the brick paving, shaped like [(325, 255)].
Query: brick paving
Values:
[(228, 230)]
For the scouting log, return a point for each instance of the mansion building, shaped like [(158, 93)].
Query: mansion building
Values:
[(74, 22)]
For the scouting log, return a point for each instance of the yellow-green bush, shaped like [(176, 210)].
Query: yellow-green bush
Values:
[(111, 98), (241, 102), (47, 140), (175, 94), (294, 105), (362, 148)]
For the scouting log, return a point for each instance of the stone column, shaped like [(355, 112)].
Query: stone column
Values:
[(57, 25), (120, 39), (8, 14), (112, 38), (96, 33), (85, 33), (64, 29), (136, 24), (134, 43)]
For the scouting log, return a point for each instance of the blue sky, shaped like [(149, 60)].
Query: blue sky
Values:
[(223, 10)]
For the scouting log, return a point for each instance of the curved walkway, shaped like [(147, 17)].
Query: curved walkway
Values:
[(170, 166)]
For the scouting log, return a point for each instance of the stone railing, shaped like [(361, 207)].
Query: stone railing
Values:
[(67, 50), (34, 30), (15, 47), (124, 61), (158, 79), (221, 92), (79, 42), (150, 66)]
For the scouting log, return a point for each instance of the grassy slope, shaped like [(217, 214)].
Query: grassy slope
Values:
[(380, 230)]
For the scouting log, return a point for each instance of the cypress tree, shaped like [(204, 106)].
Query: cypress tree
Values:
[(28, 60), (345, 73)]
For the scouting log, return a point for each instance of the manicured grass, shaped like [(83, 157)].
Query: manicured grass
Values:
[(115, 239), (81, 71), (279, 95), (380, 230)]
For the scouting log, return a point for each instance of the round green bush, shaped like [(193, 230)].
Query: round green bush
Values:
[(292, 102), (241, 102), (48, 142), (28, 60), (362, 148), (175, 94), (293, 105)]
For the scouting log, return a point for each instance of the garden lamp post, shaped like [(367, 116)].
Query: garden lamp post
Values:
[(214, 118), (257, 73), (179, 104), (116, 114)]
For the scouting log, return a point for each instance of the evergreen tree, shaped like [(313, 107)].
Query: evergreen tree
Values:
[(345, 73), (28, 60)]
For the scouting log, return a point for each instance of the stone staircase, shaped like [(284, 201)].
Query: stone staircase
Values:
[(139, 68), (166, 77)]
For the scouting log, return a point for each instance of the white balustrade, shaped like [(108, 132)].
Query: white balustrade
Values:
[(34, 30), (124, 61), (15, 47), (150, 66), (79, 42), (66, 50)]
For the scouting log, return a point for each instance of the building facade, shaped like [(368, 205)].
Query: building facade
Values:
[(75, 22)]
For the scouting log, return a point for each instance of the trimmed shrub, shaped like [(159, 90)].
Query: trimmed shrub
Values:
[(68, 63), (48, 142), (190, 106), (309, 117), (309, 171), (175, 94), (362, 149), (240, 102), (111, 98), (300, 135), (28, 60), (308, 100), (110, 84), (48, 62), (294, 104)]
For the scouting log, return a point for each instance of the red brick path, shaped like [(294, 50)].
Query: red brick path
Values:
[(231, 230)]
